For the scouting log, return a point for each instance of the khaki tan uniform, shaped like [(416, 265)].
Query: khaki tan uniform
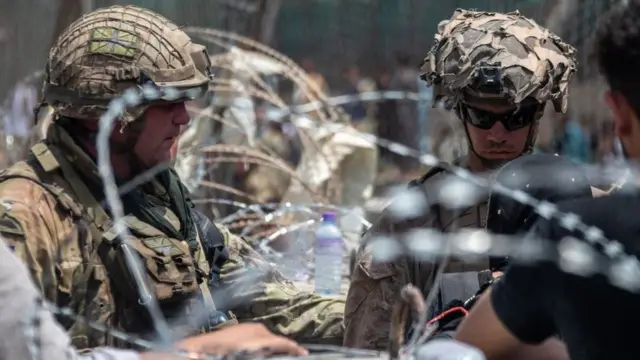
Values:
[(375, 286), (44, 202), (498, 58)]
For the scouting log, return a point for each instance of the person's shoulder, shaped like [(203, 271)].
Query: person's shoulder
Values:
[(611, 214), (20, 182), (434, 177), (28, 212), (30, 194), (435, 173), (601, 209), (411, 207)]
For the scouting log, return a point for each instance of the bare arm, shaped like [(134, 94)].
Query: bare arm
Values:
[(480, 322), (502, 344)]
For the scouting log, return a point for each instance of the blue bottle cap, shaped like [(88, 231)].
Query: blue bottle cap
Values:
[(328, 216)]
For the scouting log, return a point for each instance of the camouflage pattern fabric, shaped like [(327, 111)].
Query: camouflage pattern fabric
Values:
[(534, 62), (52, 217), (110, 50), (44, 235), (375, 286)]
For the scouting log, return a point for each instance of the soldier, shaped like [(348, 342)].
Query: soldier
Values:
[(545, 177), (267, 184), (538, 300), (52, 214), (498, 71)]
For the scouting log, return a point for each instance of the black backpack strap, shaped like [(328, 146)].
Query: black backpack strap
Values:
[(216, 254), (417, 183), (213, 245), (431, 173)]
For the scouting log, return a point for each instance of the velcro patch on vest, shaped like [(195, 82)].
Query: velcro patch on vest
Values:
[(163, 246), (112, 41)]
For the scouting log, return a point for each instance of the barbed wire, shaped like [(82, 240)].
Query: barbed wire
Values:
[(281, 207), (429, 244), (368, 96), (462, 244), (107, 120), (545, 209)]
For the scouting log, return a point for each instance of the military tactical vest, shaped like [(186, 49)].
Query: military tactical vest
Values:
[(103, 286), (462, 278)]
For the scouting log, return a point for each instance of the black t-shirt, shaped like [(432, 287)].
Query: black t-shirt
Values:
[(595, 319)]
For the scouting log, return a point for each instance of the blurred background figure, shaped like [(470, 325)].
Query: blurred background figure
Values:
[(573, 140), (267, 184), (352, 83), (386, 115), (602, 142), (310, 68), (298, 96), (407, 130)]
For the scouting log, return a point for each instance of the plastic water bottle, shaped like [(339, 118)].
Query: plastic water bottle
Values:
[(329, 253)]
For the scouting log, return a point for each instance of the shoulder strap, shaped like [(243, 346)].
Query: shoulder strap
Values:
[(50, 162), (62, 198), (89, 208), (201, 260), (210, 256), (417, 183), (212, 244), (431, 173)]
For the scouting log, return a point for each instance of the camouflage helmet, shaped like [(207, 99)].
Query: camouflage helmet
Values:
[(113, 49), (485, 55)]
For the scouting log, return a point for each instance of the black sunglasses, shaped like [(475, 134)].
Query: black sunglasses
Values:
[(522, 117)]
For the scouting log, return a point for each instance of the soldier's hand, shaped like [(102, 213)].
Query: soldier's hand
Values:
[(252, 337)]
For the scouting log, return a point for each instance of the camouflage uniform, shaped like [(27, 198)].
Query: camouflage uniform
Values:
[(52, 217), (534, 64)]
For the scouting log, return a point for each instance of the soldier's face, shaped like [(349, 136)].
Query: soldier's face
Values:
[(157, 143), (496, 142)]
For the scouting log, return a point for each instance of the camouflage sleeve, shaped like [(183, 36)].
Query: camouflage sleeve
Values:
[(26, 224), (255, 291), (375, 286), (373, 290)]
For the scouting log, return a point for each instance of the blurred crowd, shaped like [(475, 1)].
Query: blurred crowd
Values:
[(416, 124), (580, 139), (436, 130)]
